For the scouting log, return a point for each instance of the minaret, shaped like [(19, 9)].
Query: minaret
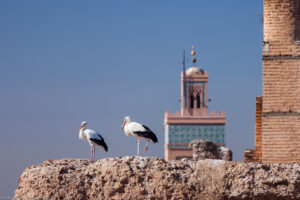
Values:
[(194, 93), (193, 122)]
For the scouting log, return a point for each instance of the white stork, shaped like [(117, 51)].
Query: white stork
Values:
[(92, 137), (139, 131)]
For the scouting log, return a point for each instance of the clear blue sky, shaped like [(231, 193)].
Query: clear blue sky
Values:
[(63, 62)]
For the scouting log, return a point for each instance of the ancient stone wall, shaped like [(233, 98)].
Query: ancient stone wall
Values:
[(256, 154), (297, 22), (281, 139), (153, 178), (281, 85), (281, 18), (281, 82), (257, 157)]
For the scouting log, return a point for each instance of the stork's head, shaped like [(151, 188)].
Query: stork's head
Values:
[(126, 120), (83, 124)]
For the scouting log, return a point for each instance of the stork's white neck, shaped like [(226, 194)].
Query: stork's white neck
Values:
[(81, 134), (127, 131), (128, 121)]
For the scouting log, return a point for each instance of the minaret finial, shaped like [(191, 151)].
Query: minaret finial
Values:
[(193, 53)]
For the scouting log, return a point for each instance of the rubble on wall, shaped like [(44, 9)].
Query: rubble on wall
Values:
[(204, 149)]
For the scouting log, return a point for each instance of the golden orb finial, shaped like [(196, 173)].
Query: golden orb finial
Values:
[(193, 51)]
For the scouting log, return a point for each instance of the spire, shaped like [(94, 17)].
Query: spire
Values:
[(183, 62), (193, 53), (183, 65)]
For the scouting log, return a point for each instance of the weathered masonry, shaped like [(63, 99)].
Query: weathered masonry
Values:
[(277, 131)]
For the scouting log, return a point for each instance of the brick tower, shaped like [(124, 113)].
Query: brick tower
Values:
[(194, 122), (277, 136)]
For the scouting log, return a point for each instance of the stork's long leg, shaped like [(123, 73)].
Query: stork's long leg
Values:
[(146, 147), (91, 152), (94, 151), (138, 147)]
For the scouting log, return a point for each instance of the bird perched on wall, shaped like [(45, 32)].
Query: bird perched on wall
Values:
[(139, 131), (94, 138)]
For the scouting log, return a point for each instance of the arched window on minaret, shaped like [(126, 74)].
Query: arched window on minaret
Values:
[(198, 100), (192, 101)]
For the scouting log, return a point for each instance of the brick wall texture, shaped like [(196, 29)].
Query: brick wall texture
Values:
[(281, 139), (281, 83), (257, 156), (281, 18), (277, 121)]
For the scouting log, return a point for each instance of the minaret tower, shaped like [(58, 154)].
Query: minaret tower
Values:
[(193, 122), (194, 93)]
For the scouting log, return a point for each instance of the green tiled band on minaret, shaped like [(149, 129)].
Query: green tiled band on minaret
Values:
[(186, 133)]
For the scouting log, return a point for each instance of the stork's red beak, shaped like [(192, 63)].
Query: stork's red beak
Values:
[(123, 125)]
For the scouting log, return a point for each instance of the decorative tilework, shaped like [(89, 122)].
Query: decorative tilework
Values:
[(187, 133)]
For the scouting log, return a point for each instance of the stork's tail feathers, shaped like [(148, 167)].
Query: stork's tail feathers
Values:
[(101, 143), (150, 134), (153, 137), (104, 146)]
